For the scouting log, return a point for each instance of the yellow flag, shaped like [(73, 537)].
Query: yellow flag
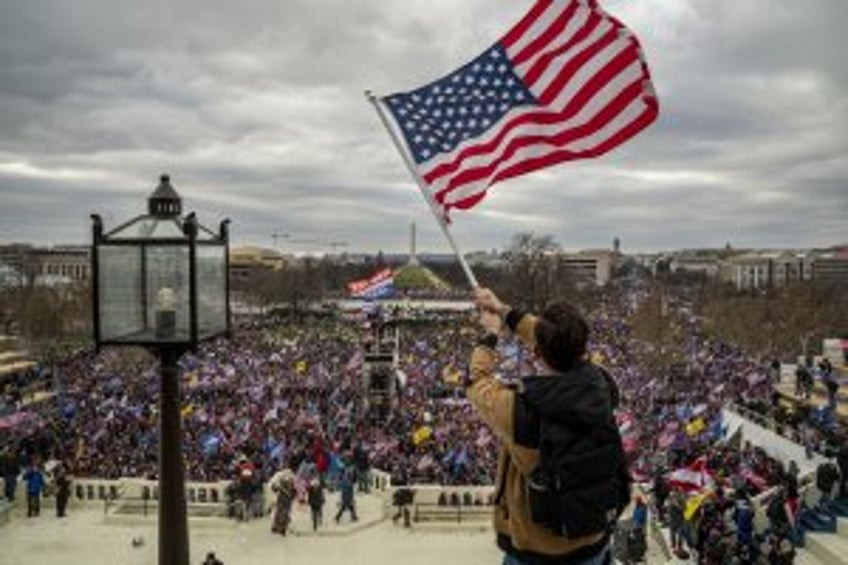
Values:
[(695, 427), (186, 410), (451, 375), (421, 435), (693, 504)]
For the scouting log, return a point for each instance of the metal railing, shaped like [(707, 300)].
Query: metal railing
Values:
[(435, 509), (784, 430)]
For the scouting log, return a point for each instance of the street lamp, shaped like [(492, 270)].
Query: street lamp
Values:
[(160, 281)]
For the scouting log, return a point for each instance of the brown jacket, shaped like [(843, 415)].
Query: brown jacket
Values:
[(494, 402)]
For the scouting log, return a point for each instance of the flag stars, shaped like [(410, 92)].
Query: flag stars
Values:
[(438, 117)]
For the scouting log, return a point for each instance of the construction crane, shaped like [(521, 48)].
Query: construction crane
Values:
[(322, 243), (333, 244), (276, 236)]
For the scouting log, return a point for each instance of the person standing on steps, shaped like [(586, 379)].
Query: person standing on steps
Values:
[(34, 480), (347, 491), (63, 490), (315, 498)]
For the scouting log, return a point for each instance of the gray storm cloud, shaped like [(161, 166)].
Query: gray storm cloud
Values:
[(256, 110)]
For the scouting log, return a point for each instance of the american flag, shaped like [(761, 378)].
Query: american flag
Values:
[(567, 82), (378, 285)]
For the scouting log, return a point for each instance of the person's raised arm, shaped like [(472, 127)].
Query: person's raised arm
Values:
[(492, 399), (496, 403), (522, 325)]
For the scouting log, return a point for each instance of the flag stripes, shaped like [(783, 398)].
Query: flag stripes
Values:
[(590, 89)]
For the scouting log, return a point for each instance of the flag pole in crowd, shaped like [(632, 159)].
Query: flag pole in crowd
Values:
[(439, 214)]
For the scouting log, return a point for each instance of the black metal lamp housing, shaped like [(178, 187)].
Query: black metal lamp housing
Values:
[(160, 280)]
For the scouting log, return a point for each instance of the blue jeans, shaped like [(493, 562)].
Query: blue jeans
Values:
[(603, 557)]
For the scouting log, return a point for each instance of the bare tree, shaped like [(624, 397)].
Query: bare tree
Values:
[(655, 323), (46, 314), (780, 322), (534, 275)]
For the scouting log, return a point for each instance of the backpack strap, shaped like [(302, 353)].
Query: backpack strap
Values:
[(526, 422)]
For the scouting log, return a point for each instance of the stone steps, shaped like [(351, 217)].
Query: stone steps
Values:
[(828, 548), (804, 557)]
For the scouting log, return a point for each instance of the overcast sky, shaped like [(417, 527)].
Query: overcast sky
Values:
[(256, 110)]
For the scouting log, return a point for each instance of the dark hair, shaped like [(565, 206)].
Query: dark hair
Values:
[(561, 335)]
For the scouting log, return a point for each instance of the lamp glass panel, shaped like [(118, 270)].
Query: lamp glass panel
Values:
[(120, 291), (211, 290), (167, 293)]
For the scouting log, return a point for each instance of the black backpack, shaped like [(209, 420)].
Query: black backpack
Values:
[(572, 505), (582, 483)]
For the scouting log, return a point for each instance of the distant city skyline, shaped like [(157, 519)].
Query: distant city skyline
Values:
[(439, 252), (258, 115)]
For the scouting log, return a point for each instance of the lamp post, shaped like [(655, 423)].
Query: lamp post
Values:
[(161, 281)]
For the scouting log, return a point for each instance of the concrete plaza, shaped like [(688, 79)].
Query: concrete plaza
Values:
[(89, 537)]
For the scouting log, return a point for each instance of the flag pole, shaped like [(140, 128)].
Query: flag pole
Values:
[(437, 213)]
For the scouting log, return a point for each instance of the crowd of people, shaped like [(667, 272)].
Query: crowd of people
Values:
[(276, 396), (285, 396), (679, 424)]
